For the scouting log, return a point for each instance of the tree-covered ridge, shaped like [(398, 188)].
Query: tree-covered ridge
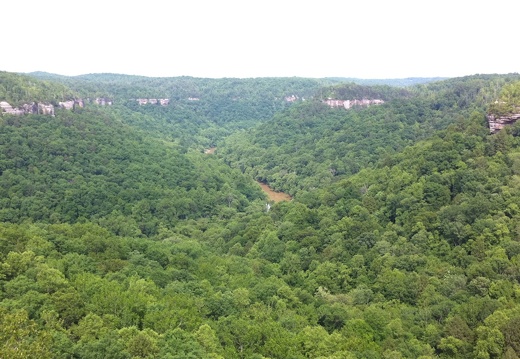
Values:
[(476, 90), (223, 101), (124, 87), (403, 82), (350, 91), (178, 88), (88, 165), (310, 145), (201, 112), (18, 89), (508, 101)]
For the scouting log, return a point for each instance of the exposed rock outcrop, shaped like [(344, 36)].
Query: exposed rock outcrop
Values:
[(498, 122), (103, 101), (7, 108), (347, 104), (68, 105), (72, 104), (26, 108), (30, 108), (45, 108), (153, 101)]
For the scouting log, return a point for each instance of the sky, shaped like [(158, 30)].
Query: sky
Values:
[(250, 38)]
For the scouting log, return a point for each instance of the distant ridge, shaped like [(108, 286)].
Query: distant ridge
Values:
[(43, 74), (399, 82)]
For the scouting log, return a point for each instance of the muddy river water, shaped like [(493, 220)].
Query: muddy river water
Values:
[(273, 195)]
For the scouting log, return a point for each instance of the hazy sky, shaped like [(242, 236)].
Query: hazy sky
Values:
[(251, 38)]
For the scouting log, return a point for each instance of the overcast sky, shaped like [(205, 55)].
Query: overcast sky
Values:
[(259, 38)]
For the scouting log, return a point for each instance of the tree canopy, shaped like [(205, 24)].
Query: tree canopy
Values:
[(120, 238)]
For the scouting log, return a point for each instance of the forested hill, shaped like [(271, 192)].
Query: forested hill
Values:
[(17, 89), (207, 109), (199, 112), (120, 239), (218, 100), (404, 82), (312, 144), (88, 165)]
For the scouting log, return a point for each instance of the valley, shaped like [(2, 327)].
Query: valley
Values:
[(393, 230)]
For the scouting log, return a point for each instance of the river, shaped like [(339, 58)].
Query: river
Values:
[(273, 195)]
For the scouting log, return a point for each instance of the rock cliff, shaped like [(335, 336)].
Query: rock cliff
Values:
[(153, 101), (43, 108), (497, 122), (347, 104)]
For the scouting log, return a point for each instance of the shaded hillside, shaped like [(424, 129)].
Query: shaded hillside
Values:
[(17, 89), (88, 165)]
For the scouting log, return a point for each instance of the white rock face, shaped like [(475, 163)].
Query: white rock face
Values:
[(496, 123)]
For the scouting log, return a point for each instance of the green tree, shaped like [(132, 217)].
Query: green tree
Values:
[(21, 338)]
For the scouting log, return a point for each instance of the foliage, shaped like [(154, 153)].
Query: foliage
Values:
[(508, 101), (19, 89), (311, 145), (115, 243), (87, 165)]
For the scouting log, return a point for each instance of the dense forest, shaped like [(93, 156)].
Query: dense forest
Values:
[(310, 145), (200, 111), (120, 238)]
